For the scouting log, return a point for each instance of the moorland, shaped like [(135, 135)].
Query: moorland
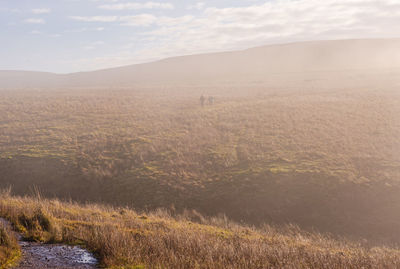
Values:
[(316, 146)]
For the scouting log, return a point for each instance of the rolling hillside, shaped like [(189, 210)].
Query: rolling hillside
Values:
[(309, 59), (304, 133)]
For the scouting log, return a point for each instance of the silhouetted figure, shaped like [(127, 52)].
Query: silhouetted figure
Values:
[(210, 100), (202, 100)]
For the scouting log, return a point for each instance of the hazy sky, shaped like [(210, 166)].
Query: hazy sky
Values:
[(76, 35)]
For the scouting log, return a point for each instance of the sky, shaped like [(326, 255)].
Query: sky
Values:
[(65, 36)]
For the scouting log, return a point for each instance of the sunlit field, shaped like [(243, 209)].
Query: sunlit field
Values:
[(122, 238), (324, 158), (200, 134)]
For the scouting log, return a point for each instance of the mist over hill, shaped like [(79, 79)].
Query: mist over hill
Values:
[(304, 133), (256, 65), (200, 134)]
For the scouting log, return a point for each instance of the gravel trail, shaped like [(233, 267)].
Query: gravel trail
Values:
[(57, 256)]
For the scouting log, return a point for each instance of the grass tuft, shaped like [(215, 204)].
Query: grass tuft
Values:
[(190, 240), (9, 248)]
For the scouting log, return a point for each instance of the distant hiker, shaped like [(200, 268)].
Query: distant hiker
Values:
[(202, 100), (210, 100)]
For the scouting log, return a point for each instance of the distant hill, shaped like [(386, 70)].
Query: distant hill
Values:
[(249, 65), (26, 79)]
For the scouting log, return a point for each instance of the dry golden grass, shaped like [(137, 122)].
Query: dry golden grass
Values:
[(9, 248), (156, 133), (122, 238), (321, 158)]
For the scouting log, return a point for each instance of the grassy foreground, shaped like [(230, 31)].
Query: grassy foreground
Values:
[(323, 158), (122, 238), (9, 249)]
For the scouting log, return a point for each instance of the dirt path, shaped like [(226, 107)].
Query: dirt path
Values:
[(37, 255)]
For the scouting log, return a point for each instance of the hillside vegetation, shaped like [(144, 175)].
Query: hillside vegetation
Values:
[(321, 156), (9, 248), (122, 238)]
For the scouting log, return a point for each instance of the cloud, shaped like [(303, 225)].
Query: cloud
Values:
[(36, 32), (95, 18), (207, 27), (212, 29), (85, 29), (134, 20), (137, 6), (13, 10), (282, 19), (35, 21), (138, 20), (198, 6), (41, 10), (279, 21)]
